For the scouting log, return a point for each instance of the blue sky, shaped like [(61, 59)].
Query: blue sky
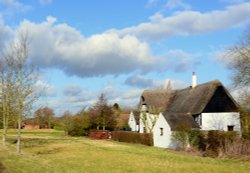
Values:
[(120, 48)]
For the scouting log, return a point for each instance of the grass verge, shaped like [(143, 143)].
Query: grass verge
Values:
[(51, 151)]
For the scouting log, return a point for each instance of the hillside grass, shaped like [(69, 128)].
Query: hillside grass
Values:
[(51, 151)]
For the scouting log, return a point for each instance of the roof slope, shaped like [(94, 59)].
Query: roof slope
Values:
[(178, 106)]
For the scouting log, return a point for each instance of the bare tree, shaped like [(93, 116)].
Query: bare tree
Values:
[(18, 84), (240, 67), (240, 64), (6, 99)]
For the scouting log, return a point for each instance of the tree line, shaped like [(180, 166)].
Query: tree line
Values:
[(101, 116)]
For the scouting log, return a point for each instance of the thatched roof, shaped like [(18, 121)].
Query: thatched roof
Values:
[(178, 106)]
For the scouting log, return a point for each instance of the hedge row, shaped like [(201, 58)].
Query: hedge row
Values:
[(216, 143), (99, 134), (132, 137)]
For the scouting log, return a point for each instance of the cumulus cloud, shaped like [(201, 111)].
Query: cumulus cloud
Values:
[(151, 3), (72, 90), (5, 34), (188, 23), (45, 89), (233, 1), (74, 93), (13, 6), (62, 46), (139, 81), (83, 98), (177, 4), (149, 83), (180, 61)]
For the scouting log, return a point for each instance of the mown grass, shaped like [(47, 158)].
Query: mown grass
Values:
[(50, 151)]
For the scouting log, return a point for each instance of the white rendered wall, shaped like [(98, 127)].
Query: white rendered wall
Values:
[(132, 122), (164, 141), (220, 121)]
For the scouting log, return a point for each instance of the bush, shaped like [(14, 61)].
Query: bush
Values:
[(237, 147), (221, 143), (197, 139), (132, 137), (77, 125)]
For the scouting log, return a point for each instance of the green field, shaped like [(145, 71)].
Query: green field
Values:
[(50, 151)]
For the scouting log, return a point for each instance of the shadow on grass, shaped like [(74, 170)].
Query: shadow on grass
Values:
[(2, 168), (49, 151)]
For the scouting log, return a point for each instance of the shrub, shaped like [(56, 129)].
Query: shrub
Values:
[(197, 139), (132, 137), (236, 147), (219, 143)]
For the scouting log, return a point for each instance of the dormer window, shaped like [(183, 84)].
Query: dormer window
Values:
[(197, 119), (230, 128), (142, 99), (144, 108)]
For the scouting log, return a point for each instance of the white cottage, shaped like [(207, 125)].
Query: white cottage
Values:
[(133, 122), (208, 106)]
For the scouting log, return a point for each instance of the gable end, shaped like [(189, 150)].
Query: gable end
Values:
[(221, 101)]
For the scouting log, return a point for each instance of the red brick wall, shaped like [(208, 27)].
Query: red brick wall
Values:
[(99, 134), (31, 127)]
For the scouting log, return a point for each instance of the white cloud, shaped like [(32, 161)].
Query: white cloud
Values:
[(139, 81), (179, 60), (188, 23), (13, 6), (75, 101), (149, 83), (72, 90), (62, 46), (5, 34), (45, 89), (151, 3), (177, 4), (233, 1)]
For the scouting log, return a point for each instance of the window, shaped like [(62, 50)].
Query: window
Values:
[(230, 128), (161, 131), (198, 119)]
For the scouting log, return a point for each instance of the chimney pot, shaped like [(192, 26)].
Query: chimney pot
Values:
[(194, 80)]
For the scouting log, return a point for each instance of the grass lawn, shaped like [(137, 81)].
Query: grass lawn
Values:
[(50, 151)]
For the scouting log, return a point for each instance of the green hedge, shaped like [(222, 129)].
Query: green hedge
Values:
[(132, 137)]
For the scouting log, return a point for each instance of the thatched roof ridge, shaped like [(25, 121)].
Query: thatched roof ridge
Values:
[(193, 100), (178, 106), (156, 100)]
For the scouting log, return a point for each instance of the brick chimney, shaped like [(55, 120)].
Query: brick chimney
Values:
[(194, 80)]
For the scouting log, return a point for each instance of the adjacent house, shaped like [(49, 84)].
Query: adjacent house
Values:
[(207, 106), (133, 121), (30, 124)]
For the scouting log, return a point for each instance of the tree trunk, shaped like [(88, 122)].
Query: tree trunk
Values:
[(18, 145), (4, 129)]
